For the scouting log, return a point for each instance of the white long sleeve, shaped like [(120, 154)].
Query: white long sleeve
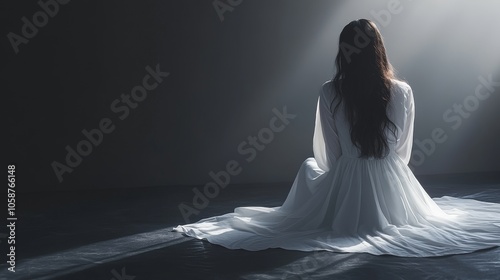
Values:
[(404, 145), (326, 152)]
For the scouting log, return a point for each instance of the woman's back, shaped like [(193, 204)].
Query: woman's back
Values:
[(337, 132)]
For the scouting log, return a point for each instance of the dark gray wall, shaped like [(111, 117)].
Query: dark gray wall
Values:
[(225, 79)]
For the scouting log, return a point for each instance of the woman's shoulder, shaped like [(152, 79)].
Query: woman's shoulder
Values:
[(326, 92), (402, 91), (401, 85), (327, 86)]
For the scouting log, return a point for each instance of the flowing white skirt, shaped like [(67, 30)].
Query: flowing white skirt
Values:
[(373, 206)]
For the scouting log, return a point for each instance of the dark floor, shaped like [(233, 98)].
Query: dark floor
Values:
[(125, 235)]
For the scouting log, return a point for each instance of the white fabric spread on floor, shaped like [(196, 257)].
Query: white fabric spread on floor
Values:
[(342, 203)]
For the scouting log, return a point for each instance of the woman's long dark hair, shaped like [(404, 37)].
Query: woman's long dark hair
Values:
[(363, 85)]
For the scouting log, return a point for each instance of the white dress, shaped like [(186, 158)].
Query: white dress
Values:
[(342, 203)]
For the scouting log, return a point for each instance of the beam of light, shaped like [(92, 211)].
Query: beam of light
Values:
[(454, 29), (84, 257)]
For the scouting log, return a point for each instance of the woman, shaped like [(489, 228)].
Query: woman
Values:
[(357, 194)]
